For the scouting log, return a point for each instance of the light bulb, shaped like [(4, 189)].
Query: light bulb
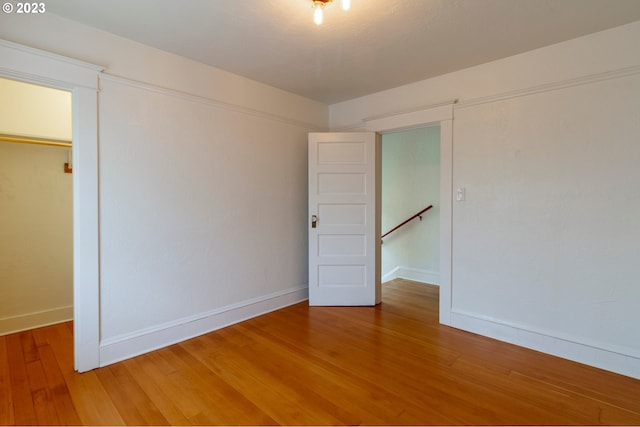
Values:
[(317, 14), (346, 4)]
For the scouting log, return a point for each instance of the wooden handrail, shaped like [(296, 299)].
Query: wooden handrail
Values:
[(407, 220)]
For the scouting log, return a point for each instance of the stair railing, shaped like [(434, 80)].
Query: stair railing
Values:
[(419, 214)]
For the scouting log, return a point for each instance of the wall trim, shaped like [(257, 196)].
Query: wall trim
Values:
[(52, 56), (423, 108), (548, 87), (393, 274), (210, 102), (619, 360), (415, 274), (23, 322), (410, 119), (68, 73), (125, 346), (381, 121), (396, 121), (357, 127)]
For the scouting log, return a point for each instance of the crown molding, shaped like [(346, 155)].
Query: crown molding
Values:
[(209, 102), (548, 87)]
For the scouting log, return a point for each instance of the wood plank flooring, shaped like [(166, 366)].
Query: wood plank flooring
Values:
[(391, 364)]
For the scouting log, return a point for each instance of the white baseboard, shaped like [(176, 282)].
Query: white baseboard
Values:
[(130, 345), (393, 274), (415, 274), (23, 322), (621, 361)]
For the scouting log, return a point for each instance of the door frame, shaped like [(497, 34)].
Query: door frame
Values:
[(42, 68), (442, 115)]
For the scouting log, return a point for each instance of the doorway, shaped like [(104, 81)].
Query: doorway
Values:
[(435, 115), (440, 116), (30, 65), (411, 183), (36, 201)]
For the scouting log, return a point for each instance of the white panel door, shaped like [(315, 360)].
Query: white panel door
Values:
[(344, 218)]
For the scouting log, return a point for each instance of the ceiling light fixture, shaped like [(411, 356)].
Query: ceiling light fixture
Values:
[(318, 6)]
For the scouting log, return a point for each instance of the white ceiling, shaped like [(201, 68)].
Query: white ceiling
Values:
[(377, 45)]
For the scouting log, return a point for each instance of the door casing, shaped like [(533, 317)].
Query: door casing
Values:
[(442, 115), (42, 68)]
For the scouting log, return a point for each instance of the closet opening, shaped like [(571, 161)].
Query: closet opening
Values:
[(36, 206)]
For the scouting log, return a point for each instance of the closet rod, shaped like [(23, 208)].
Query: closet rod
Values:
[(40, 141)]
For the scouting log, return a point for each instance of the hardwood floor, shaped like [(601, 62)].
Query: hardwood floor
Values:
[(392, 364)]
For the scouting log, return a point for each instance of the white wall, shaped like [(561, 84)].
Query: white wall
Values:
[(208, 204), (36, 238), (202, 189), (546, 243), (411, 182), (36, 111), (550, 220)]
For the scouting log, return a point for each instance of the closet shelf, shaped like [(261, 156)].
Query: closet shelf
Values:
[(32, 140)]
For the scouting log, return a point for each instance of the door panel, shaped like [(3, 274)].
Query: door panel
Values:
[(344, 197)]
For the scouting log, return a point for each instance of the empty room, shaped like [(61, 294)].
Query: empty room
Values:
[(299, 212)]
